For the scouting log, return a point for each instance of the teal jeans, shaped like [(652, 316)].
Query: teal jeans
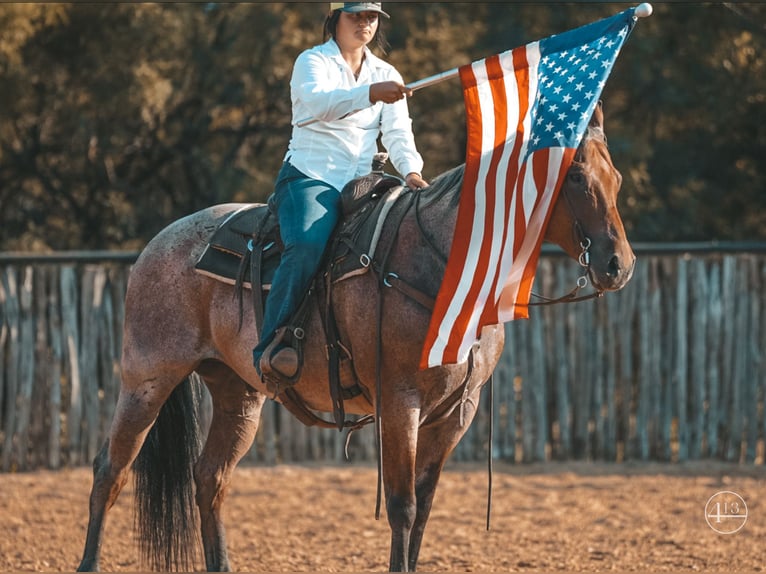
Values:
[(308, 211)]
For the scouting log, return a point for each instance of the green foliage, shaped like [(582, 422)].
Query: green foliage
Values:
[(119, 118)]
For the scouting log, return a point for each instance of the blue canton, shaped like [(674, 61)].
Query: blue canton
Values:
[(570, 82)]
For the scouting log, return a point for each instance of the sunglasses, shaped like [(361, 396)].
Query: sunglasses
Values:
[(360, 17)]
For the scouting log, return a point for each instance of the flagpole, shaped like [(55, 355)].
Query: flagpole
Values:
[(435, 79), (642, 11), (416, 85)]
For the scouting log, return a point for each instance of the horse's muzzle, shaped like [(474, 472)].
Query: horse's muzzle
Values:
[(614, 273)]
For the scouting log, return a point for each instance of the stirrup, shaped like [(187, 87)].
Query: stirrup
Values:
[(280, 364)]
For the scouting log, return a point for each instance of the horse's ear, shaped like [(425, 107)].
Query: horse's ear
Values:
[(597, 119)]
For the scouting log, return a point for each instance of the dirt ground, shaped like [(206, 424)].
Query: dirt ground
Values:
[(573, 517)]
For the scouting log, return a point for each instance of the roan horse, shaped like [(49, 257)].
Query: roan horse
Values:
[(178, 321)]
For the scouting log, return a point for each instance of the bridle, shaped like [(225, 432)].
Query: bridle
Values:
[(583, 259)]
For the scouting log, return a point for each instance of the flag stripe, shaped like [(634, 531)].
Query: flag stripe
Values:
[(492, 99), (547, 201), (458, 259), (516, 87)]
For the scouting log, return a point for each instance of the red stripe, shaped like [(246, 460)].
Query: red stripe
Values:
[(525, 287), (466, 208), (486, 189), (539, 168), (521, 71)]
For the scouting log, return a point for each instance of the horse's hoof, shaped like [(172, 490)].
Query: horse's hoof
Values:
[(88, 566)]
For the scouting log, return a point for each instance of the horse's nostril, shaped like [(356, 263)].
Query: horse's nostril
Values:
[(613, 268)]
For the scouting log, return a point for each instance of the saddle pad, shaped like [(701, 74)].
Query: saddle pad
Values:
[(233, 240)]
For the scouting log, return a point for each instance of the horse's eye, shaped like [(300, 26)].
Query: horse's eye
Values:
[(576, 177)]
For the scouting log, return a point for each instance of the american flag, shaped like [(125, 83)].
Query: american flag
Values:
[(526, 112)]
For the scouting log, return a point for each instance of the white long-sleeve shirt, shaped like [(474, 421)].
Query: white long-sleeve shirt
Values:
[(336, 149)]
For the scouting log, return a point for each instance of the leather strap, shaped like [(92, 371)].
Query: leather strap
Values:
[(333, 357), (423, 299), (256, 266), (293, 403)]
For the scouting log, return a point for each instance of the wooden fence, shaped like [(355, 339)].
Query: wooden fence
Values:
[(671, 368)]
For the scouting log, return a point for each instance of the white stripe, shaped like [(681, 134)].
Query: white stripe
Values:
[(534, 230), (509, 288), (506, 262), (493, 275), (469, 265), (495, 238)]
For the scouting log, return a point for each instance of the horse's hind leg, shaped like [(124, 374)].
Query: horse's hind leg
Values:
[(137, 408), (236, 414)]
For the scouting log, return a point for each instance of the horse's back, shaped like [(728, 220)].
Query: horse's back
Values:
[(186, 238)]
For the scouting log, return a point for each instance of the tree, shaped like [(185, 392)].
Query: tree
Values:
[(120, 118)]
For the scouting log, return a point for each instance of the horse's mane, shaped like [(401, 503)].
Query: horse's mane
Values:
[(595, 144), (448, 182)]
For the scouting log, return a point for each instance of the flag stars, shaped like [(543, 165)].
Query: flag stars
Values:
[(567, 84)]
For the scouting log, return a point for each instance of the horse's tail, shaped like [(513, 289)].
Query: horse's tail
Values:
[(166, 516)]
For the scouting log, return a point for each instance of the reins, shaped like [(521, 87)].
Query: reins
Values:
[(582, 281)]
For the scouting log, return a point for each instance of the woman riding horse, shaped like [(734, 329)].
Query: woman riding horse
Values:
[(356, 97)]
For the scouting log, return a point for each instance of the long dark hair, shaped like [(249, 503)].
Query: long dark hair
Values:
[(379, 41)]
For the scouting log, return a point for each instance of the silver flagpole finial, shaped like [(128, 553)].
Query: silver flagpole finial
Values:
[(643, 10)]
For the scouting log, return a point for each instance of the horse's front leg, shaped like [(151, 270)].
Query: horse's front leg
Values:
[(400, 434), (236, 414), (435, 443)]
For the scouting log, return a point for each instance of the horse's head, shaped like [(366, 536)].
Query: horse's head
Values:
[(585, 221)]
